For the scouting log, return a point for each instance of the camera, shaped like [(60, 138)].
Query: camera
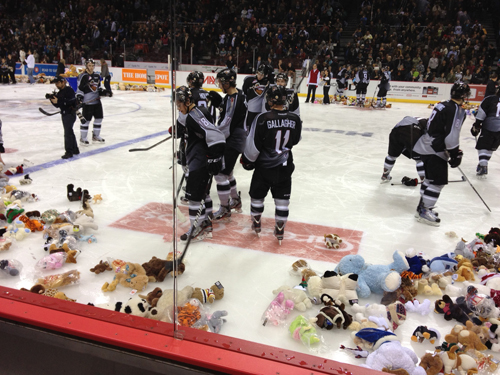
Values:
[(51, 95)]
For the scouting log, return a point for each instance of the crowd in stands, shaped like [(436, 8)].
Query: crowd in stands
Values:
[(420, 40)]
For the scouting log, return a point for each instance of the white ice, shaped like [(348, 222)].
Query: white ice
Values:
[(335, 184)]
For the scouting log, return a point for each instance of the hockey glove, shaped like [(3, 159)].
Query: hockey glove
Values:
[(476, 128), (79, 101), (407, 181), (455, 157), (247, 164), (214, 165)]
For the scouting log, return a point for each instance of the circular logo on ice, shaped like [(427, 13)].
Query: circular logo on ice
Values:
[(36, 69)]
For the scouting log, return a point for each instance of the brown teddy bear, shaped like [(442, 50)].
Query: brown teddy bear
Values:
[(465, 273), (431, 363), (462, 335), (135, 278), (49, 292), (70, 254), (153, 296), (333, 314), (101, 267), (216, 292), (155, 269)]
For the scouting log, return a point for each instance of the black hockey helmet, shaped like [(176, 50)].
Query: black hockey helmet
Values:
[(195, 79), (227, 76), (89, 61), (264, 69), (281, 76), (276, 95), (460, 90), (183, 94)]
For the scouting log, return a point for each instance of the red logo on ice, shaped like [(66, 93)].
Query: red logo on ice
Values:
[(301, 239)]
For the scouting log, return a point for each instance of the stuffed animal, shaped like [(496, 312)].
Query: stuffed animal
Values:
[(135, 278), (443, 263), (74, 196), (332, 241), (215, 320), (333, 314), (422, 333), (338, 287), (165, 304), (465, 273), (32, 225), (51, 261), (424, 287), (298, 296), (153, 296), (431, 363), (374, 278), (302, 329), (394, 358), (97, 198), (215, 292), (86, 209), (70, 254), (415, 306), (5, 244), (373, 312), (49, 292), (59, 280), (189, 314), (17, 170), (405, 293), (26, 180), (417, 264), (135, 306), (101, 267), (461, 335), (278, 310), (464, 363), (451, 310), (16, 233)]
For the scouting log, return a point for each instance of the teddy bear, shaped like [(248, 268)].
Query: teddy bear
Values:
[(214, 293), (374, 278), (451, 310), (424, 287), (70, 254), (338, 287), (101, 267), (153, 296), (333, 314), (394, 358), (484, 259), (17, 233), (375, 313), (302, 330), (72, 194), (165, 304), (467, 338), (493, 237), (405, 293), (298, 296), (464, 363), (465, 273), (431, 363), (49, 292), (332, 241), (135, 278)]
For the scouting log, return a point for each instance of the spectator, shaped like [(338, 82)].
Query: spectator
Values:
[(30, 63), (61, 67)]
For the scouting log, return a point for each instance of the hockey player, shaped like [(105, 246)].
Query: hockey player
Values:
[(254, 89), (383, 87), (342, 76), (268, 151), (232, 125), (325, 78), (204, 152), (89, 93), (293, 98), (438, 147), (362, 82), (488, 124), (402, 139)]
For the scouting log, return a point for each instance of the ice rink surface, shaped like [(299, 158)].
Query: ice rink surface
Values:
[(336, 189)]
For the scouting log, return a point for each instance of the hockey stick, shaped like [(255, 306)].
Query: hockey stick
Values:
[(47, 113), (169, 265), (400, 183), (149, 148), (473, 188), (180, 184), (373, 97)]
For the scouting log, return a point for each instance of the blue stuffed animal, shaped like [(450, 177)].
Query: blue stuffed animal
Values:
[(374, 278)]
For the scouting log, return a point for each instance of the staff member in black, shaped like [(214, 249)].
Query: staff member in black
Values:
[(11, 62), (65, 100)]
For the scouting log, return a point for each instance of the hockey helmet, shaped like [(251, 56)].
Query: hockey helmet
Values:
[(227, 76), (264, 69), (195, 79), (183, 94), (282, 76), (460, 90), (89, 61), (276, 95)]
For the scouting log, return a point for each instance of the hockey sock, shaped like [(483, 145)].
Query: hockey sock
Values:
[(389, 163), (97, 126), (194, 206), (256, 206), (340, 92), (431, 195), (378, 101), (234, 189), (420, 170), (209, 207), (281, 211), (484, 157), (384, 101), (357, 97), (1, 137), (223, 188), (84, 129), (363, 96)]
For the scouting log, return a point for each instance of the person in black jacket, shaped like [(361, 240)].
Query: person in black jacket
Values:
[(65, 99), (11, 62), (491, 86), (61, 67)]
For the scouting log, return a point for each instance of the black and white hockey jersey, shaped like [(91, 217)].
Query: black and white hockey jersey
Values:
[(199, 97), (292, 102), (417, 122), (443, 130), (88, 87), (232, 120), (271, 138), (488, 113), (342, 76), (363, 77), (200, 135), (255, 92), (385, 78)]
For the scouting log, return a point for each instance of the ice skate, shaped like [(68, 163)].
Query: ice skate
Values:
[(207, 228), (256, 220), (198, 234), (84, 142), (386, 177), (223, 214), (184, 201), (279, 231), (235, 203), (97, 139), (482, 171), (427, 216)]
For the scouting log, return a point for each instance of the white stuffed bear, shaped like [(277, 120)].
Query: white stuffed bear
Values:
[(164, 307), (338, 287), (373, 312), (298, 296)]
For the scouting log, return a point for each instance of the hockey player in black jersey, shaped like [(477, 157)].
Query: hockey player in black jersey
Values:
[(439, 146), (362, 82), (342, 76), (204, 155), (292, 97), (383, 87), (268, 150), (232, 125), (488, 124), (89, 93), (402, 139), (254, 88)]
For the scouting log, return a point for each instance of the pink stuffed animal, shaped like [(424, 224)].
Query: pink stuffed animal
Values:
[(278, 310)]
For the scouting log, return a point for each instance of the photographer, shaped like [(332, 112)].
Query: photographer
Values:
[(65, 100)]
